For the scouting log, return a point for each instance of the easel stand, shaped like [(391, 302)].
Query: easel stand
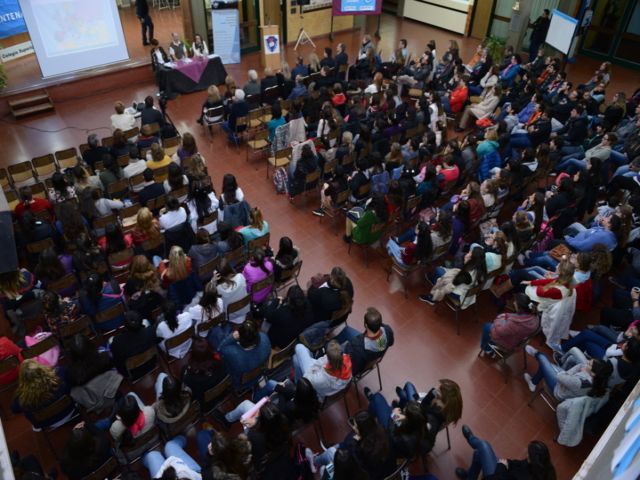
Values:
[(303, 37)]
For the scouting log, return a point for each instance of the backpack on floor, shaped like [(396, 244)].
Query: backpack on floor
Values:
[(281, 180)]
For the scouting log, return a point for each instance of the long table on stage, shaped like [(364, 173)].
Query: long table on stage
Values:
[(193, 76)]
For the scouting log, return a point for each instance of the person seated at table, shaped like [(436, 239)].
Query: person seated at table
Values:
[(199, 47), (177, 49), (158, 55)]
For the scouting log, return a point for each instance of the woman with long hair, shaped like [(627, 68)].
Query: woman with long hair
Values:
[(133, 419), (458, 282), (287, 256), (111, 173), (329, 295), (288, 318), (211, 308), (61, 190), (258, 227), (537, 465), (369, 443), (461, 223), (214, 99), (198, 169), (176, 179), (39, 386), (362, 225), (231, 287), (115, 240), (203, 371), (58, 310), (120, 144), (142, 269), (188, 147), (231, 192), (83, 179), (69, 221), (170, 324), (409, 252), (173, 400), (86, 450), (147, 227), (177, 267), (86, 361), (51, 267), (202, 202), (442, 230), (257, 269), (158, 159), (97, 296)]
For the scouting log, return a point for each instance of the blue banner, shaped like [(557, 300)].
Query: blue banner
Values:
[(11, 20)]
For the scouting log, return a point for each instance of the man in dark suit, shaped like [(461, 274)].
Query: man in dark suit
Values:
[(150, 114), (95, 151), (142, 12), (269, 80), (151, 189), (135, 339), (341, 58)]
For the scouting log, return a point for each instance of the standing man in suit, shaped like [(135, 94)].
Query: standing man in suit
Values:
[(539, 33), (142, 12)]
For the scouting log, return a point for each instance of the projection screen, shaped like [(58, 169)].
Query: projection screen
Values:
[(71, 35)]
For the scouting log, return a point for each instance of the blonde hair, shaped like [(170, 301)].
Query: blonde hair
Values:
[(145, 223), (314, 61), (37, 384), (157, 152), (491, 134), (177, 268), (11, 283), (214, 93), (142, 269), (285, 70), (256, 218), (566, 269)]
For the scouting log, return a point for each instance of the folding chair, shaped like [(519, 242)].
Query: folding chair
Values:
[(373, 364), (153, 246), (253, 118), (141, 445), (131, 133), (171, 145), (128, 216), (202, 328), (240, 128), (82, 325), (260, 242), (111, 313), (205, 271), (214, 397), (44, 166), (280, 357), (259, 144), (39, 246), (188, 420), (4, 179), (121, 260), (503, 353), (67, 283), (263, 284), (328, 401), (148, 357), (21, 174), (161, 174), (288, 276), (118, 189), (234, 307), (213, 116), (281, 158), (175, 342), (12, 200), (51, 412), (204, 222), (455, 303), (375, 229), (337, 208), (123, 160), (109, 469), (237, 258), (248, 380), (101, 223)]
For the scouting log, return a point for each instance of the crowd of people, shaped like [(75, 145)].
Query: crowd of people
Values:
[(555, 162)]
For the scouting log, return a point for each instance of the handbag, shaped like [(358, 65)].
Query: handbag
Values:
[(560, 251)]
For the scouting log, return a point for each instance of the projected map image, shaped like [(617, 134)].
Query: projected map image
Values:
[(73, 26)]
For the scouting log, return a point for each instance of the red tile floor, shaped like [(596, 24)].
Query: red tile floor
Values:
[(427, 347)]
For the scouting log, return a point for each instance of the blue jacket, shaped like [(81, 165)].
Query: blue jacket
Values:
[(238, 361), (298, 91), (585, 240), (526, 112), (508, 77), (487, 163)]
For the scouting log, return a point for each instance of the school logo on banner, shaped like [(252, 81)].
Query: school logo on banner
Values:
[(11, 19), (272, 43)]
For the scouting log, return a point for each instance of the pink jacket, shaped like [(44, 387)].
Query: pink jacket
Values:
[(254, 274), (509, 329)]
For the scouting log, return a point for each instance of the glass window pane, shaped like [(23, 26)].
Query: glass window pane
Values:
[(606, 21)]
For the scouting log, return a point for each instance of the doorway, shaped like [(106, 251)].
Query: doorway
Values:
[(482, 13)]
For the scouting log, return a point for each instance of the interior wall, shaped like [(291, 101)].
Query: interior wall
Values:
[(316, 23)]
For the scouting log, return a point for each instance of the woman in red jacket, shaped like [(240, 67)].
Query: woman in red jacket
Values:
[(456, 99)]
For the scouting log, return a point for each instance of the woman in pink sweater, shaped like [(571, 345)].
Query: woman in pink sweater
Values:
[(509, 329), (255, 271)]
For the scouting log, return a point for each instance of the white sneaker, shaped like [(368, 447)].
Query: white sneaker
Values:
[(574, 333), (310, 457), (530, 384), (531, 350)]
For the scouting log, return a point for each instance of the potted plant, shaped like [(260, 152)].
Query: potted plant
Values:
[(495, 46)]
